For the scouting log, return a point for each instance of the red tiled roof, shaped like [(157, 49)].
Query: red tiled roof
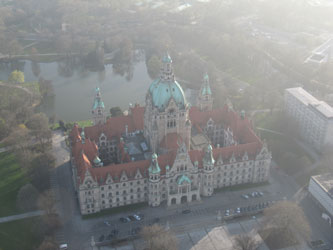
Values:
[(137, 116), (241, 128), (85, 153), (89, 148), (171, 141), (115, 126), (75, 134)]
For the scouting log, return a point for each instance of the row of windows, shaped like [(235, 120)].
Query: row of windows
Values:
[(124, 184)]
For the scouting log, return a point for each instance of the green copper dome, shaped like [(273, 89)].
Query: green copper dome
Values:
[(161, 93)]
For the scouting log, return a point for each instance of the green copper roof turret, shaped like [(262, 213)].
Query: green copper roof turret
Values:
[(208, 157), (167, 58), (98, 103), (183, 178), (154, 167), (97, 160), (206, 88)]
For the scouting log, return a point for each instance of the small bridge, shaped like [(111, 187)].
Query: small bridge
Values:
[(6, 58)]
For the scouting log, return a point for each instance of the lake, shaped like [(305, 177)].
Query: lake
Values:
[(74, 93)]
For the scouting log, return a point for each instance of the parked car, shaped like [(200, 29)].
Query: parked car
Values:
[(63, 247), (131, 218), (115, 232), (261, 193), (142, 216), (227, 212), (137, 217), (109, 237), (124, 220), (107, 223), (245, 196), (186, 211)]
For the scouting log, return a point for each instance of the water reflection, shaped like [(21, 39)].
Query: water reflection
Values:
[(74, 85)]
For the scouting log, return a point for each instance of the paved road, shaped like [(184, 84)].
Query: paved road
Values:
[(21, 216)]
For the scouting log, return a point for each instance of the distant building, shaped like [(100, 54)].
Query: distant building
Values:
[(322, 54), (321, 189), (166, 152), (314, 117)]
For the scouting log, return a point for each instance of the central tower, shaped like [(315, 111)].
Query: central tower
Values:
[(166, 112)]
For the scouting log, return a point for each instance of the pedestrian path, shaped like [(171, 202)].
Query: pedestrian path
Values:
[(21, 216)]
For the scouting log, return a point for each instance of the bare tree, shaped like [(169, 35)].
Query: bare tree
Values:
[(39, 126), (245, 242), (157, 238), (47, 202), (19, 138), (287, 217), (48, 244)]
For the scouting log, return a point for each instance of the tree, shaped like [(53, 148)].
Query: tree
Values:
[(27, 198), (48, 244), (46, 202), (19, 138), (153, 66), (39, 126), (157, 238), (45, 87), (285, 219), (16, 77), (245, 242), (39, 170), (116, 111)]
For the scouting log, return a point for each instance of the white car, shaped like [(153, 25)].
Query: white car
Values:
[(63, 247), (137, 217), (245, 196)]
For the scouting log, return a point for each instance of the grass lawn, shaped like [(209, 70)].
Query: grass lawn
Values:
[(12, 178), (116, 210), (20, 235), (85, 123)]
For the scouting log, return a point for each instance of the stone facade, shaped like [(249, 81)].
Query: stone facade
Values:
[(147, 156)]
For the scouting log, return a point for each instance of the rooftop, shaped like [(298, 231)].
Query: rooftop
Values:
[(309, 100), (326, 182)]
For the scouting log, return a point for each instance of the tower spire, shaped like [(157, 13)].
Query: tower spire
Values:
[(205, 99), (98, 108), (166, 70)]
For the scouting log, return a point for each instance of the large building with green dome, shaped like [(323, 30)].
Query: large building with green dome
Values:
[(166, 153)]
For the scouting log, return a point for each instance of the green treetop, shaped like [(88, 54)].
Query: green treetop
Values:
[(16, 77)]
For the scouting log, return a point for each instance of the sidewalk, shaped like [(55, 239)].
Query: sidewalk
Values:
[(21, 216)]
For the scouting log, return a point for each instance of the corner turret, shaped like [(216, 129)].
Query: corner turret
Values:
[(154, 182), (208, 168)]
